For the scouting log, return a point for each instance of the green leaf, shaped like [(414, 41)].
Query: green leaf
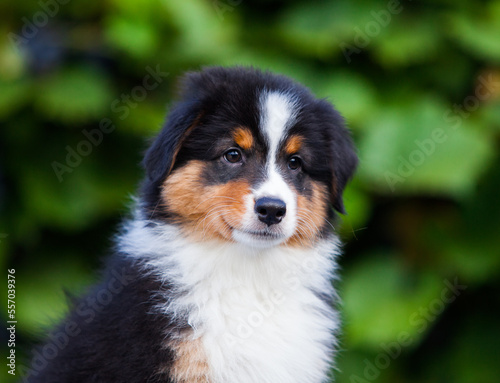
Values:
[(351, 94), (490, 114), (13, 95), (41, 299), (318, 30), (470, 247), (470, 354), (13, 63), (144, 120), (478, 31), (85, 194), (136, 37), (358, 209), (140, 10), (418, 147), (382, 301), (74, 95), (408, 41), (203, 32), (308, 30)]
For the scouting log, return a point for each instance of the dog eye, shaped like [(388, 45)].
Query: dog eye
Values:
[(294, 163), (233, 156)]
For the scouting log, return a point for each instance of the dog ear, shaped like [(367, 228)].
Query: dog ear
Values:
[(344, 158), (160, 157), (344, 165)]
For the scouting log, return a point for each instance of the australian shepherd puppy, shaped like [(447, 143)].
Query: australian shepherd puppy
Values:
[(223, 275)]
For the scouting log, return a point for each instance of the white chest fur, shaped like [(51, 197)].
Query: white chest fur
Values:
[(258, 314)]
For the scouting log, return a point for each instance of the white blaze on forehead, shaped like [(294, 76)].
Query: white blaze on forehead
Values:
[(277, 114)]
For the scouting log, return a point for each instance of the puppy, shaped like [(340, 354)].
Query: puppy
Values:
[(223, 275)]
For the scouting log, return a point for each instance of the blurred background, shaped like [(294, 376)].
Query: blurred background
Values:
[(83, 84)]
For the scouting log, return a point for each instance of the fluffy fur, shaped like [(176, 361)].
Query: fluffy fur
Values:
[(224, 272)]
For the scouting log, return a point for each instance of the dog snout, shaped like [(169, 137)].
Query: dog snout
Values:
[(270, 210)]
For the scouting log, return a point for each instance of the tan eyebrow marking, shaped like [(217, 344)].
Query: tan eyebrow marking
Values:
[(243, 137), (293, 145)]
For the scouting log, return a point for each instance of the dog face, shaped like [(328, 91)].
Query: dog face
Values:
[(249, 157)]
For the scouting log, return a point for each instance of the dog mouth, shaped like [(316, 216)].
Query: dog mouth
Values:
[(263, 238), (264, 234), (257, 238)]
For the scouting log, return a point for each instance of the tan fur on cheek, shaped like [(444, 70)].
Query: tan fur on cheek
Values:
[(311, 217), (234, 194), (204, 212), (182, 189)]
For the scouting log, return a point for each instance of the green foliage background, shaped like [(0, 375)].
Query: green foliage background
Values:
[(418, 82)]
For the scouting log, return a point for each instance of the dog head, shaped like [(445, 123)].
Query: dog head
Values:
[(249, 157)]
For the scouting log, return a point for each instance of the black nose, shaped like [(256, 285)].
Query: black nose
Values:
[(270, 210)]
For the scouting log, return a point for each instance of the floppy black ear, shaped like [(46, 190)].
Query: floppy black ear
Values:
[(160, 157), (345, 163), (345, 159)]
